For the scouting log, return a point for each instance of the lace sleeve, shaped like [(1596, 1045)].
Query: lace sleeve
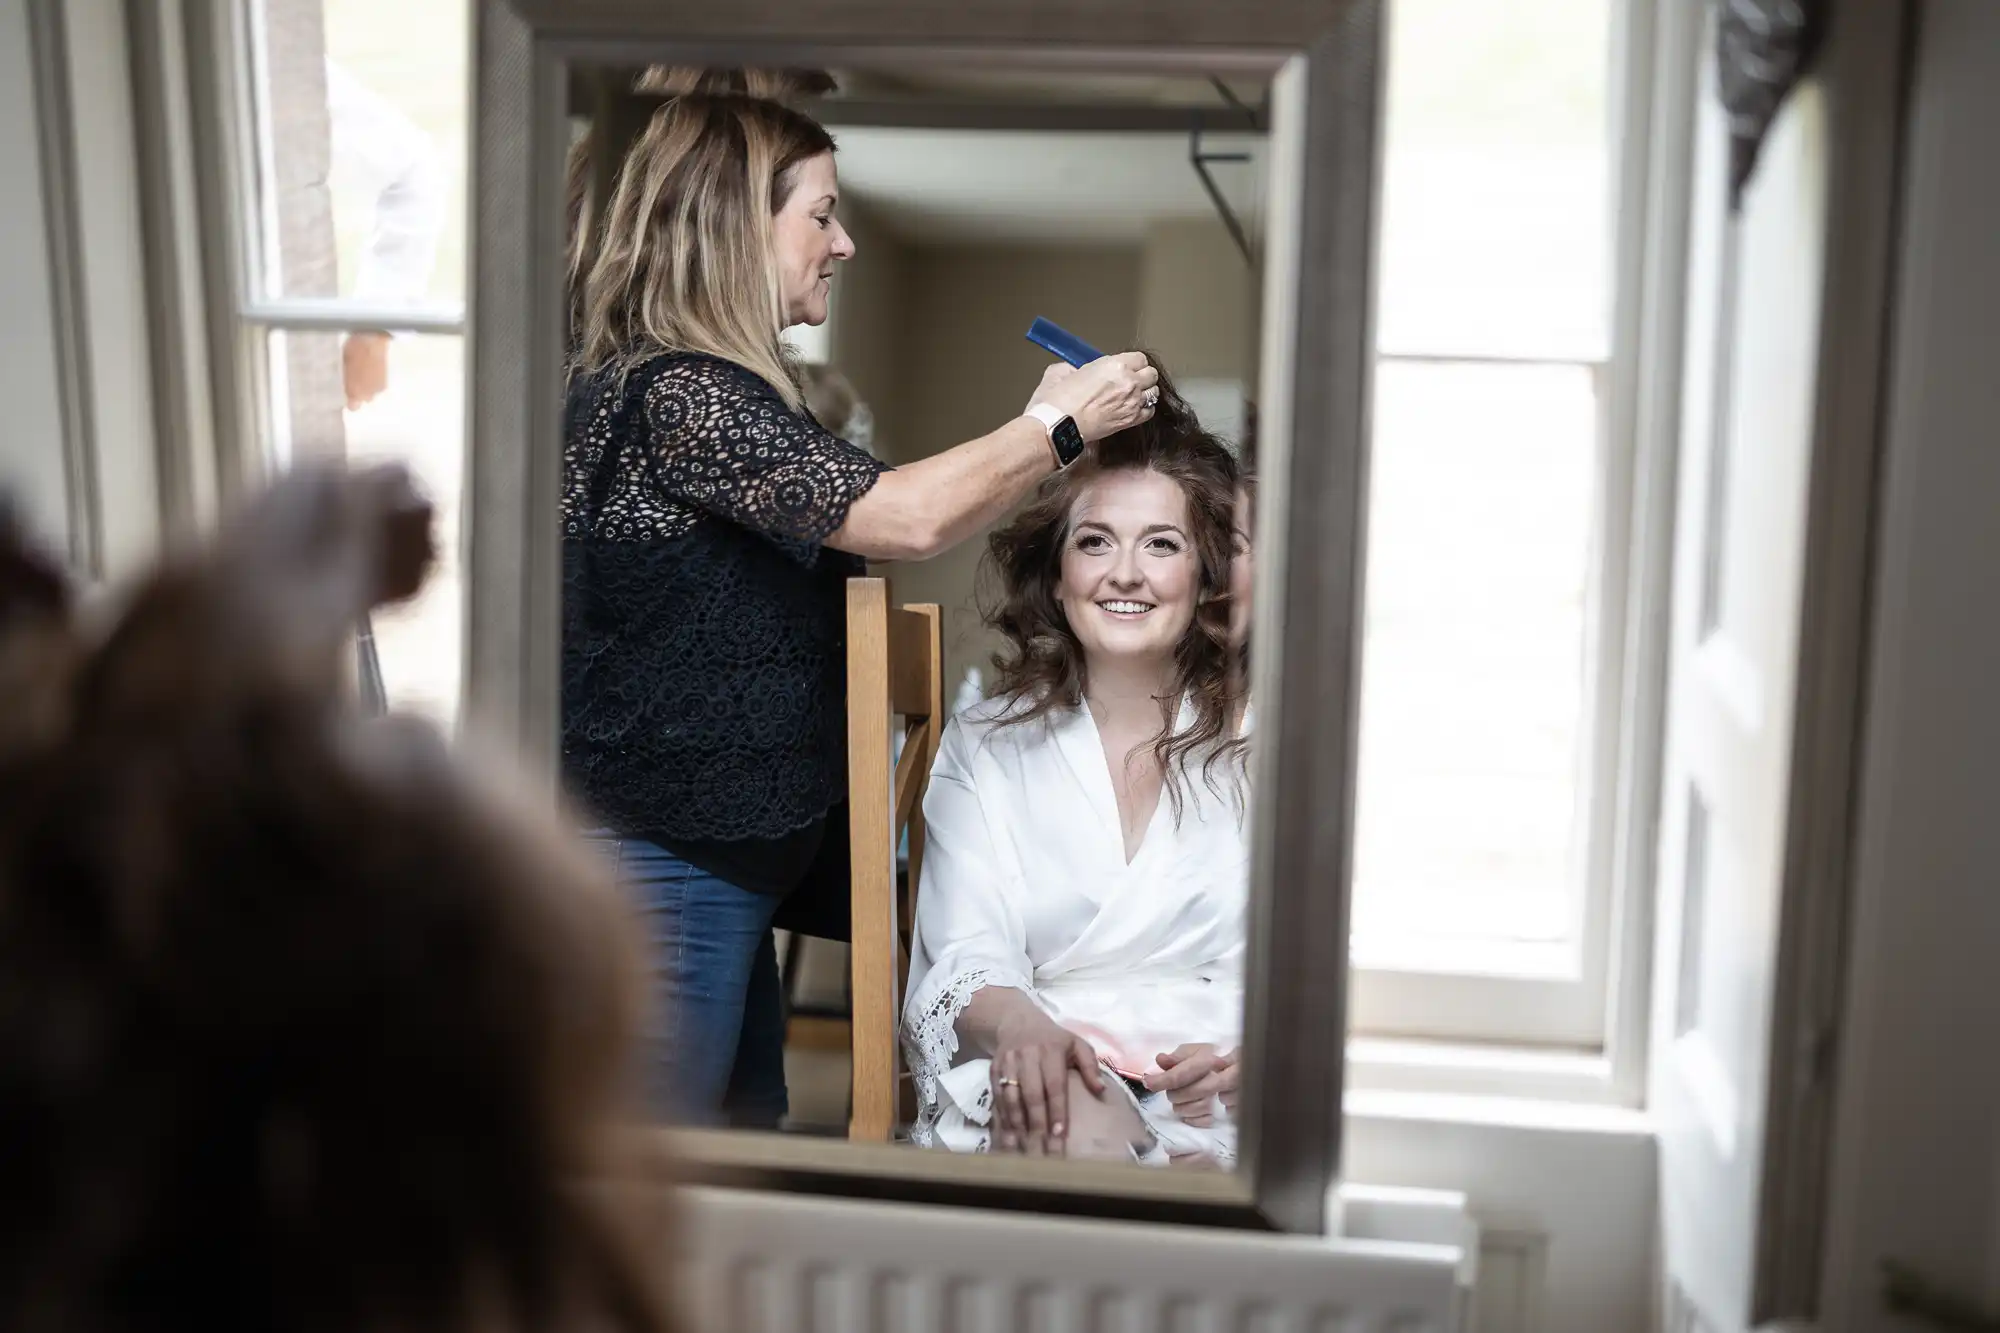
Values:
[(930, 1035), (725, 442)]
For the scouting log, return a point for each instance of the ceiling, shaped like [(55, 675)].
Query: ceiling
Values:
[(956, 155), (1007, 186), (1004, 183), (1014, 85)]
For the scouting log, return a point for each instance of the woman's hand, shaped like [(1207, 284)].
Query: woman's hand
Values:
[(1032, 1057), (1104, 397), (1057, 372), (919, 509), (1193, 1077)]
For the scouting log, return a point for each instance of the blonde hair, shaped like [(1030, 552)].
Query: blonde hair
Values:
[(682, 259)]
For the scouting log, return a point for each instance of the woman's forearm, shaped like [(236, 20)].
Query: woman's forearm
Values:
[(933, 504), (990, 1009), (917, 511)]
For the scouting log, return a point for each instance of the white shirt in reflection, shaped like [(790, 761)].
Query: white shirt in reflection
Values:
[(383, 153), (1025, 884)]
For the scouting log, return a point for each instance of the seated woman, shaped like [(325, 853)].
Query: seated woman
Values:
[(1076, 976)]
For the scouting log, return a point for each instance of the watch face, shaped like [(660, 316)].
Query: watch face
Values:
[(1068, 441)]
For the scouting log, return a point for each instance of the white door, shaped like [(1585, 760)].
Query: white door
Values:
[(1747, 431)]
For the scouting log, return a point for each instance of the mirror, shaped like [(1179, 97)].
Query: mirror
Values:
[(1069, 851), (901, 669)]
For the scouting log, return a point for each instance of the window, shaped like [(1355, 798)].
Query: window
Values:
[(1492, 669), (351, 282)]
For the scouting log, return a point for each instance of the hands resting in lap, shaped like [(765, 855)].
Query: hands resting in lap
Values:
[(1041, 1071), (1037, 1066)]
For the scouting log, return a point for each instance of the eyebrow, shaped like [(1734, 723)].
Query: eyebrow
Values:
[(828, 201), (1150, 530)]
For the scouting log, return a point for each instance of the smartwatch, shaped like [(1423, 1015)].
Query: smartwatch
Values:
[(1064, 437)]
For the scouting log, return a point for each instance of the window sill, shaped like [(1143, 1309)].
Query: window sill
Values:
[(1483, 1072), (1506, 1113)]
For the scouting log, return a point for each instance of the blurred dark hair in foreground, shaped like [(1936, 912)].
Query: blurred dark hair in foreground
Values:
[(302, 1027)]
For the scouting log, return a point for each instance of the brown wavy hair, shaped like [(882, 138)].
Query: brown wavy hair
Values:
[(1042, 667)]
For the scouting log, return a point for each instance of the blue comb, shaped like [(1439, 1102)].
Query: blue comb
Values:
[(1060, 342)]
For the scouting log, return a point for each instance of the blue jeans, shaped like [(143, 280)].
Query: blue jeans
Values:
[(715, 1032)]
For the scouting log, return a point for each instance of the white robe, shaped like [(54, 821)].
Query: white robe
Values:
[(1025, 885)]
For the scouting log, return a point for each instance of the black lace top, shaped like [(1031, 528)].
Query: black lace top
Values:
[(703, 654)]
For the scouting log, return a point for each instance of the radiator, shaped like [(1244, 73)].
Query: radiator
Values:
[(778, 1263)]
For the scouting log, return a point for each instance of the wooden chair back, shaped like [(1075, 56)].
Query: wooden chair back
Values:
[(895, 669)]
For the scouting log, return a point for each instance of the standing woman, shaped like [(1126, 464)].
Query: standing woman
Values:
[(709, 527)]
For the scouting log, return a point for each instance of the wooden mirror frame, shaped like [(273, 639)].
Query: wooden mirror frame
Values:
[(1324, 58)]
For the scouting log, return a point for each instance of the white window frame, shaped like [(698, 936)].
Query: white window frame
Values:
[(247, 315), (223, 61), (1581, 1035), (105, 487)]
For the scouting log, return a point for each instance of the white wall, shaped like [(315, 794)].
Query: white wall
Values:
[(1198, 306), (1917, 1157), (1198, 301), (1564, 1199)]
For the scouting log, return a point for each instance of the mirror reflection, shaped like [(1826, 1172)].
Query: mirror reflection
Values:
[(904, 666)]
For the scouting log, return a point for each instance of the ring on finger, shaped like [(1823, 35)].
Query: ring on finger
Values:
[(1152, 398), (1010, 1082)]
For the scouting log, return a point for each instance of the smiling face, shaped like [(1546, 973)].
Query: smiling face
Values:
[(1130, 571), (808, 240)]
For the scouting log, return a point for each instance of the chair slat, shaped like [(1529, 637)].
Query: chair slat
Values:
[(914, 666), (872, 835), (912, 770), (895, 666)]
